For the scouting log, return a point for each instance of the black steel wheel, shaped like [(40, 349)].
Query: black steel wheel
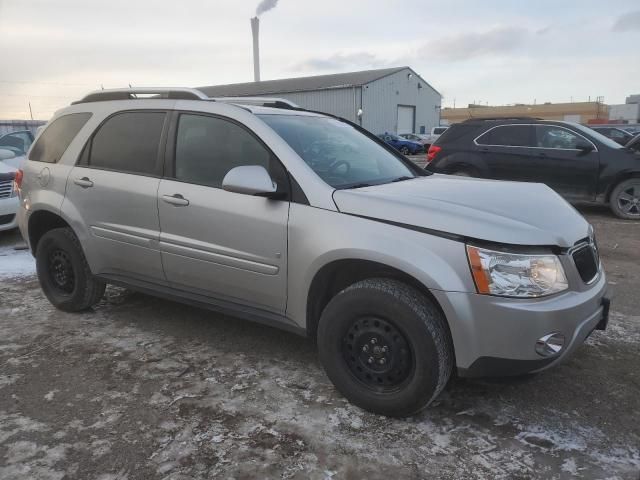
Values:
[(63, 271), (385, 346), (377, 353)]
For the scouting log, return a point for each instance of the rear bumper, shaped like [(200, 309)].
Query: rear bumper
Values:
[(8, 213), (496, 336)]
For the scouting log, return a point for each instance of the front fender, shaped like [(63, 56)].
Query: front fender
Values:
[(318, 237)]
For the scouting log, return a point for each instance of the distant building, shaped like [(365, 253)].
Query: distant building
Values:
[(633, 99), (389, 100), (628, 112), (579, 112)]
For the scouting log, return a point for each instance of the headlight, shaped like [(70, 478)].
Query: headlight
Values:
[(515, 275)]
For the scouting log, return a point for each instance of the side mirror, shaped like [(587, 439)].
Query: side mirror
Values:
[(584, 147), (250, 180)]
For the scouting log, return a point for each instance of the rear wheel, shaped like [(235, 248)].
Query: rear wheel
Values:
[(625, 199), (63, 272), (385, 346)]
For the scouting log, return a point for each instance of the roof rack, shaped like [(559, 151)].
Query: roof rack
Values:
[(178, 93), (498, 119), (276, 102)]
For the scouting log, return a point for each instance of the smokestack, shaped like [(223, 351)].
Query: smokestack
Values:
[(255, 30)]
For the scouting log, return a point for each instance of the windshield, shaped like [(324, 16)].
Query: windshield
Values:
[(597, 136), (338, 153)]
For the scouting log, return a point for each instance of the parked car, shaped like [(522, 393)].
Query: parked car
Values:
[(618, 135), (404, 146), (416, 137), (307, 222), (434, 135), (579, 163), (8, 195), (18, 142)]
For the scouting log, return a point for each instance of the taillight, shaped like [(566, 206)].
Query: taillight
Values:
[(433, 151), (17, 180)]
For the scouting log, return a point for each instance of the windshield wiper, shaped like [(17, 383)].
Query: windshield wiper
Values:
[(355, 185), (401, 179)]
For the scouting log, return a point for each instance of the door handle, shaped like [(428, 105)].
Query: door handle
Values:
[(543, 155), (484, 150), (83, 182), (176, 199)]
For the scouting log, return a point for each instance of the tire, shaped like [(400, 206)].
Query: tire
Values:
[(625, 199), (64, 274), (404, 151), (399, 318)]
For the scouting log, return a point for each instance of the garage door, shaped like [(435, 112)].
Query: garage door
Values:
[(406, 117)]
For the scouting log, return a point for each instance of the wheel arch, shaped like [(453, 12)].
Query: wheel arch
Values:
[(337, 275), (40, 222), (621, 177)]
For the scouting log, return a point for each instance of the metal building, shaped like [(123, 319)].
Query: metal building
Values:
[(385, 100)]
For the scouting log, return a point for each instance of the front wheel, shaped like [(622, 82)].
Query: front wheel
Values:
[(404, 151), (385, 346), (63, 272), (625, 199)]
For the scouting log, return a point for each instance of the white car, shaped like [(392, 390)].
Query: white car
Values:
[(434, 135), (8, 195)]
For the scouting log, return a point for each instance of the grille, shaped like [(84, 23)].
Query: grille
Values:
[(6, 186), (4, 219), (586, 260)]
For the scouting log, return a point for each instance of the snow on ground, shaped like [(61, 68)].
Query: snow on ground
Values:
[(16, 263)]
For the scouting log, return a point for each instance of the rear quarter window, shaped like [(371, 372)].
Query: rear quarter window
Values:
[(457, 133), (56, 138)]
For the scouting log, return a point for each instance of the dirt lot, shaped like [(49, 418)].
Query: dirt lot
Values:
[(144, 388)]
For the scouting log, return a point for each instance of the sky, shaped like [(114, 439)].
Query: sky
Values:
[(492, 51)]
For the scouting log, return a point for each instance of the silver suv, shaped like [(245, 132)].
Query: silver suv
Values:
[(307, 222)]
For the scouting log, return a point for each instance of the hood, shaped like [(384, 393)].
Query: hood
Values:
[(7, 172), (503, 212)]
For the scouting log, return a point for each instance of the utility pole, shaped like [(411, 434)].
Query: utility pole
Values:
[(30, 111)]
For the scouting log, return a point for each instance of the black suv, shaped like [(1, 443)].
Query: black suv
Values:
[(580, 164)]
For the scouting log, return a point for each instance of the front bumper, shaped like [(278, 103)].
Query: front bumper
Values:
[(495, 336), (8, 213)]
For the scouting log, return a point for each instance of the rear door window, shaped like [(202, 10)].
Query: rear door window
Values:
[(55, 139), (128, 142), (508, 136)]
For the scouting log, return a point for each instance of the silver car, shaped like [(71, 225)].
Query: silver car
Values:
[(307, 222)]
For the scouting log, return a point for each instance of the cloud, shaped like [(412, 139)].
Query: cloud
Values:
[(466, 46), (629, 22), (497, 42), (340, 62)]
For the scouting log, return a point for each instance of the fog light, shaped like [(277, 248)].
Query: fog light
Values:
[(550, 344)]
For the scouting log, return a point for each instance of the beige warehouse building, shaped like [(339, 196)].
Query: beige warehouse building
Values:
[(579, 112)]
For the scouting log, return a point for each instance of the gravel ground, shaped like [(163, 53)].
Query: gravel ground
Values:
[(144, 388)]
